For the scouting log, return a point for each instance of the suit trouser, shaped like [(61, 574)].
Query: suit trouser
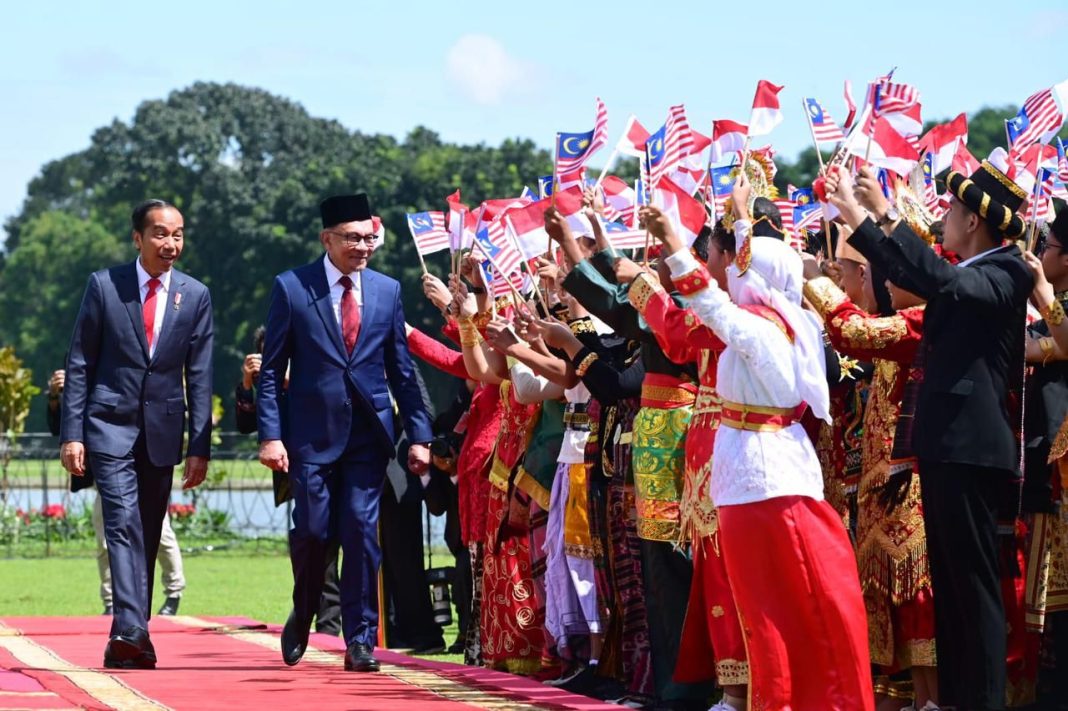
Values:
[(134, 495), (171, 575), (960, 507), (338, 501)]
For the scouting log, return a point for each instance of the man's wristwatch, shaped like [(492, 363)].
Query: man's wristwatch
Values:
[(890, 217)]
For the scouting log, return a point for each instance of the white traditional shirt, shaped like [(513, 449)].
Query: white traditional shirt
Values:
[(755, 369), (573, 447), (333, 276), (162, 293)]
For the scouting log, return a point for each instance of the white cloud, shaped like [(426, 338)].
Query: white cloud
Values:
[(483, 70)]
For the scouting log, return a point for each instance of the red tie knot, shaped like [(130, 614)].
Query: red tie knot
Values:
[(153, 284), (345, 281)]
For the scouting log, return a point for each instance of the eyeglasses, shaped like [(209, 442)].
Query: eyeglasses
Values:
[(1048, 244), (353, 238)]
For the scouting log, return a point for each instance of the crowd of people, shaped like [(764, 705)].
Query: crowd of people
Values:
[(727, 472), (796, 477)]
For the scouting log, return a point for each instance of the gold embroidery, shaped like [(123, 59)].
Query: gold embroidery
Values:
[(582, 325), (1004, 180), (732, 672), (641, 290), (823, 295), (717, 611), (872, 333)]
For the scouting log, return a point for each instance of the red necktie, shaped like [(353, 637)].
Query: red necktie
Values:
[(148, 311), (350, 314)]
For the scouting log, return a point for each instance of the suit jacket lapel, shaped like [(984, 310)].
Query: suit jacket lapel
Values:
[(320, 293), (368, 291), (130, 295)]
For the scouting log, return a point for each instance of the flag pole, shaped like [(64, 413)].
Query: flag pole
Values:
[(745, 153), (648, 201), (1034, 211), (607, 167), (552, 188)]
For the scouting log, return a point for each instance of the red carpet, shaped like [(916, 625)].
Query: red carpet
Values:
[(233, 663)]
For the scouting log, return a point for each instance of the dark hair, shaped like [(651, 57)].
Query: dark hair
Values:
[(722, 238), (700, 245), (140, 213), (762, 207), (258, 336)]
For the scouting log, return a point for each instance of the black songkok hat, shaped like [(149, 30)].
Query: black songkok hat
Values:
[(1059, 227), (990, 194), (338, 209)]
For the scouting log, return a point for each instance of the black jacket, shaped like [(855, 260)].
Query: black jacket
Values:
[(973, 341)]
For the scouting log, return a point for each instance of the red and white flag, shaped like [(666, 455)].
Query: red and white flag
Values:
[(766, 113), (963, 161), (942, 140), (728, 137), (851, 106), (889, 149), (686, 214), (461, 223), (619, 200), (908, 122), (632, 142), (527, 224)]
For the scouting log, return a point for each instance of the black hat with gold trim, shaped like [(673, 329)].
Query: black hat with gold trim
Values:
[(990, 194)]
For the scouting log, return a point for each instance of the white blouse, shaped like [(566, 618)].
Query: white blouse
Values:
[(755, 369)]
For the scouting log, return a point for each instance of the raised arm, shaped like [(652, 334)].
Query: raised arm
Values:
[(858, 334)]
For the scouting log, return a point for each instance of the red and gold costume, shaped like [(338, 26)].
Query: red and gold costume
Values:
[(891, 547), (711, 628)]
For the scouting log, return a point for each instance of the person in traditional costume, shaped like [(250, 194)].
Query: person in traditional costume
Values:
[(891, 545), (788, 557), (966, 435)]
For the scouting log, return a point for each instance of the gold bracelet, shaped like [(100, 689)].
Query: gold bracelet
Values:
[(1046, 346), (469, 335), (1054, 313), (585, 364)]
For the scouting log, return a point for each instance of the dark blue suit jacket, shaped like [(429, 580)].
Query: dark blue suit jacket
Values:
[(114, 392), (329, 390)]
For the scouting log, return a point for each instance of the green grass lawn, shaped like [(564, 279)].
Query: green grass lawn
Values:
[(29, 472), (217, 584)]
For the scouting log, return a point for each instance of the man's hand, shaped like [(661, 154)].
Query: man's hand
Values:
[(273, 455), (593, 202), (501, 335), (626, 270), (196, 469), (250, 370), (435, 290), (839, 186), (1043, 293), (418, 459), (72, 455), (553, 333), (869, 193), (55, 383), (832, 270), (740, 196), (548, 272), (659, 226)]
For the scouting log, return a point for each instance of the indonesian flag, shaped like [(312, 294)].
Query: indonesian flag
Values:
[(889, 149), (908, 121), (728, 137), (619, 200), (963, 161), (493, 209), (686, 214), (942, 141), (569, 202), (632, 142), (461, 223), (528, 227), (766, 112)]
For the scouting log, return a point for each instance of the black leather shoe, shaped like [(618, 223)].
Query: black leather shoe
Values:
[(294, 639), (108, 610), (358, 657), (132, 649), (170, 606)]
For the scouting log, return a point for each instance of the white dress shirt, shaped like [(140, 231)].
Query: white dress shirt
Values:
[(333, 276), (162, 292), (976, 257)]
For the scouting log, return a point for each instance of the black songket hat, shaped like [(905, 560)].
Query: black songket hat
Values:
[(990, 194), (339, 209)]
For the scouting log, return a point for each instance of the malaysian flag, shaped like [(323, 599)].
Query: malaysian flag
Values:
[(622, 237), (669, 145), (930, 192), (574, 149), (899, 102), (824, 129), (1038, 121), (786, 211), (428, 231), (501, 257), (807, 211)]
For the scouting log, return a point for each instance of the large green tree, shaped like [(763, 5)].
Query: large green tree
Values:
[(247, 169)]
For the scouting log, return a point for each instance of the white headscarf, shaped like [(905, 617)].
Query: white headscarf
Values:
[(774, 279)]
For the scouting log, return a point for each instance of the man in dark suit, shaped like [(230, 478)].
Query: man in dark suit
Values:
[(966, 433), (140, 357), (338, 328)]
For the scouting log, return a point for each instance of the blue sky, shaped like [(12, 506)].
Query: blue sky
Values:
[(476, 71)]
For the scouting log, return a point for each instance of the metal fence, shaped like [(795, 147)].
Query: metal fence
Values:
[(39, 515)]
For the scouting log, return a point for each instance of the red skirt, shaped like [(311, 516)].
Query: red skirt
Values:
[(795, 582), (711, 629)]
